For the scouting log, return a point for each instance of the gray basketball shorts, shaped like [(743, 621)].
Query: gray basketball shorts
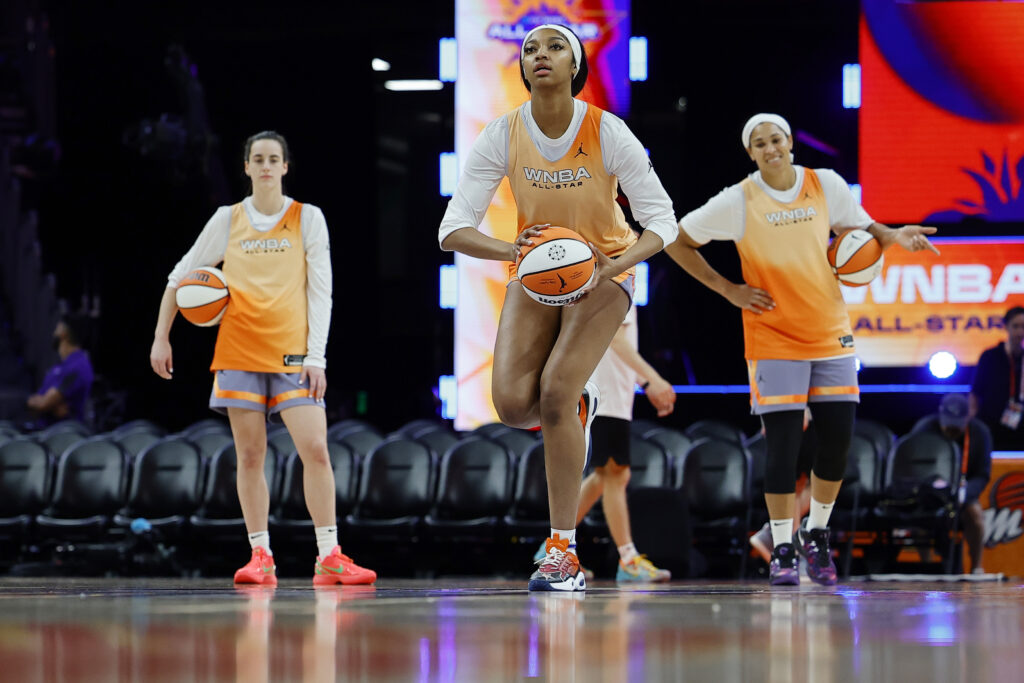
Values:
[(265, 392), (777, 385)]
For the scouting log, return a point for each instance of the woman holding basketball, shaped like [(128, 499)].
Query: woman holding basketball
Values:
[(799, 345), (544, 355), (269, 360)]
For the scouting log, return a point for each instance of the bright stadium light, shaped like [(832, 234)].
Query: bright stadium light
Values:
[(412, 85), (942, 364), (851, 86), (447, 391), (638, 58), (380, 64), (447, 60)]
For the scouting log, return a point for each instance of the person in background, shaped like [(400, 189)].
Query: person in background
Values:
[(954, 421), (64, 393), (997, 394)]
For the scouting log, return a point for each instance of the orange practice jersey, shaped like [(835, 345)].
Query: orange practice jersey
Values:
[(265, 326), (783, 251), (574, 192)]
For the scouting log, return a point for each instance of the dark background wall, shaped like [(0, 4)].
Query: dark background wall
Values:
[(125, 203)]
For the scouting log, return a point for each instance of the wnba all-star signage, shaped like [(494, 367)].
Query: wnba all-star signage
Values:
[(922, 302)]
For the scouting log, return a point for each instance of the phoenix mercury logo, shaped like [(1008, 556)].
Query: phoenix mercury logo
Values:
[(556, 180), (1003, 517)]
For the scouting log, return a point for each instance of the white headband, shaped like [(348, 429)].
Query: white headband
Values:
[(574, 43), (757, 119)]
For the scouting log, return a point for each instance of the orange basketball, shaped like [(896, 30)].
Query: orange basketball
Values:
[(856, 257), (202, 296), (556, 266)]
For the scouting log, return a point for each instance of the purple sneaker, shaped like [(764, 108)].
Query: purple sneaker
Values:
[(784, 568), (813, 545)]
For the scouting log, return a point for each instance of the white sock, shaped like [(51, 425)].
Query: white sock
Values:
[(326, 539), (261, 539), (782, 531), (627, 553), (566, 533), (820, 512)]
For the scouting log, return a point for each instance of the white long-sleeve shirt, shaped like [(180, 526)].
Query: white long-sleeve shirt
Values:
[(723, 217), (212, 243), (624, 157)]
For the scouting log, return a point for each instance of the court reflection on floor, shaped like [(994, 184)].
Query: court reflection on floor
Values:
[(432, 632)]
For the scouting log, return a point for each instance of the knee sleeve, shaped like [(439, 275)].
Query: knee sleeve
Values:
[(834, 426), (782, 433)]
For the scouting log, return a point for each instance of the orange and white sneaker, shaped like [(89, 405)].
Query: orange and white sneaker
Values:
[(338, 567), (559, 569), (260, 569)]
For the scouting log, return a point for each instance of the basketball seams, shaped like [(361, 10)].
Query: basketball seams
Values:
[(202, 296), (574, 267)]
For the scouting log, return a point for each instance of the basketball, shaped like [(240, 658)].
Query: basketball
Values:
[(202, 296), (856, 257), (556, 266)]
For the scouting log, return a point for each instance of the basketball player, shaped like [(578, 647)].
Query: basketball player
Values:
[(544, 355), (799, 346), (269, 358)]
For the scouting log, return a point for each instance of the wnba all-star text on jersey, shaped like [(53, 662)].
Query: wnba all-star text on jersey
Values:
[(267, 246), (558, 180)]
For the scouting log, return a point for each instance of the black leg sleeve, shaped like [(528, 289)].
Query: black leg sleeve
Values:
[(783, 432), (833, 422)]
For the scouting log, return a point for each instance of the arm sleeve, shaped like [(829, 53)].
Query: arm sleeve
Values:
[(626, 159), (843, 209), (208, 249), (316, 242), (979, 469), (481, 175), (723, 217)]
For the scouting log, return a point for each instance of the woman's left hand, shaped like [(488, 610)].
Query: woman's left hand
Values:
[(316, 379), (914, 237), (604, 269)]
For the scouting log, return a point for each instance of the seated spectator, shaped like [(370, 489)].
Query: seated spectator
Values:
[(65, 391), (975, 440), (997, 394)]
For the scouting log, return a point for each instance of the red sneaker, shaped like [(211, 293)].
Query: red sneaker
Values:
[(260, 569), (338, 567)]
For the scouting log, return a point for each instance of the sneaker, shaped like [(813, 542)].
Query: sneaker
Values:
[(783, 570), (762, 542), (587, 410), (813, 545), (260, 569), (640, 569), (559, 569), (337, 567), (542, 552)]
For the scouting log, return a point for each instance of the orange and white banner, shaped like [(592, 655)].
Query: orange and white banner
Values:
[(922, 303)]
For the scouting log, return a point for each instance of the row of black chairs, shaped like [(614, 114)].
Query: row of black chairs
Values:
[(423, 481)]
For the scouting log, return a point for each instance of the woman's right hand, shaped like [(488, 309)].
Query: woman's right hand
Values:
[(751, 299), (160, 358), (523, 239)]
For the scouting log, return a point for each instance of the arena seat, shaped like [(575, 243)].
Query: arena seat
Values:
[(440, 441), (715, 429), (528, 519), (516, 441), (219, 513), (206, 424), (26, 473), (920, 496), (88, 490), (359, 441), (650, 467), (209, 441), (490, 429), (672, 440), (134, 441), (714, 476), (349, 425), (474, 490), (880, 436), (165, 485), (291, 514), (136, 425), (854, 508), (281, 439), (396, 489)]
